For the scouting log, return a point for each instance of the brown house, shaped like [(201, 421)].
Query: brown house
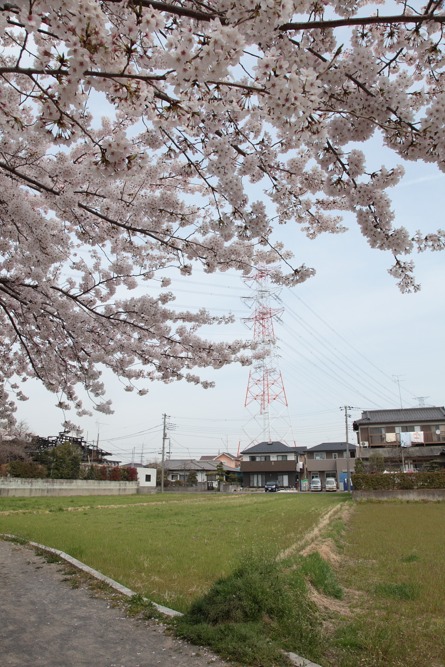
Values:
[(272, 461), (331, 459), (410, 438)]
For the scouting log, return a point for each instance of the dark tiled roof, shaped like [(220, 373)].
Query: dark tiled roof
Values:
[(274, 447), (192, 464), (402, 415), (332, 447)]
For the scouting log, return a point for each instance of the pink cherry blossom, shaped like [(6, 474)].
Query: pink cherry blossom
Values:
[(138, 137)]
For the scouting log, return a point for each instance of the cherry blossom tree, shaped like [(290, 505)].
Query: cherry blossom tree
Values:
[(140, 138)]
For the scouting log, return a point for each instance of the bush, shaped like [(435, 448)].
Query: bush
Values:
[(110, 473), (129, 474), (251, 615), (27, 470), (398, 480), (115, 474), (62, 462)]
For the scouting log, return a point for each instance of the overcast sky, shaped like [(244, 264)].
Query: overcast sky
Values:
[(346, 337)]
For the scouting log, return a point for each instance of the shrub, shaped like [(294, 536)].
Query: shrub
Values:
[(27, 469), (110, 473), (251, 615), (115, 474), (398, 480), (129, 474), (62, 462)]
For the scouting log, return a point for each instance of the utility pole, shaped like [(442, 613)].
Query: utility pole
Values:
[(164, 438), (348, 462), (348, 465)]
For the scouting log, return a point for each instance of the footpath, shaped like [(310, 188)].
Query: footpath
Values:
[(45, 622)]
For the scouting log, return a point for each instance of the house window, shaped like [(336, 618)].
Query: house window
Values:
[(320, 456), (281, 457), (283, 480), (334, 455), (252, 458), (407, 429), (148, 478), (256, 480)]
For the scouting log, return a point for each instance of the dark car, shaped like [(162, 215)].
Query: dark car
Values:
[(271, 486)]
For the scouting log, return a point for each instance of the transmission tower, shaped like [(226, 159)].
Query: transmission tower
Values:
[(265, 385)]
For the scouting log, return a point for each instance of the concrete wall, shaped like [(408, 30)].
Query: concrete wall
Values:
[(401, 494), (15, 486)]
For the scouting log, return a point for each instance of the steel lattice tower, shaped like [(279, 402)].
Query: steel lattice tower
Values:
[(265, 384)]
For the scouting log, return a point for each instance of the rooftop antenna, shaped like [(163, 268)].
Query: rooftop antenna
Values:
[(397, 379), (421, 400)]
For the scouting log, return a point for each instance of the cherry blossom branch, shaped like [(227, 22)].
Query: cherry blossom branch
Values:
[(365, 20)]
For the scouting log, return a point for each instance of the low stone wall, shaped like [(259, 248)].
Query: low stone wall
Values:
[(15, 486), (401, 494)]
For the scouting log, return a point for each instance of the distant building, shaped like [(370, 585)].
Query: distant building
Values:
[(229, 460), (146, 477), (205, 472), (412, 438), (272, 461), (90, 453), (331, 459)]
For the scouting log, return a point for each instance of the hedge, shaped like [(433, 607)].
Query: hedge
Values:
[(398, 480), (109, 473)]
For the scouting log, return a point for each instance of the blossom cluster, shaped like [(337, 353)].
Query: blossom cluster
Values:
[(142, 137)]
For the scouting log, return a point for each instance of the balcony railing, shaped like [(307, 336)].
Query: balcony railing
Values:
[(269, 466), (428, 439)]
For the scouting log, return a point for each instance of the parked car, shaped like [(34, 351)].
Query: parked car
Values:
[(315, 484), (331, 484), (271, 486)]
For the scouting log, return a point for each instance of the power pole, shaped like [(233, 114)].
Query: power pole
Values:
[(348, 463), (164, 438)]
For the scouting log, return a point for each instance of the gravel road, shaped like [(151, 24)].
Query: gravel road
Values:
[(46, 622)]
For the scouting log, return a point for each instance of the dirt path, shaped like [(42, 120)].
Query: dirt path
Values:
[(45, 622), (311, 541)]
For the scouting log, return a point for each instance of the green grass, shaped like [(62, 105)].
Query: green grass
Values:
[(215, 558), (321, 575), (392, 558), (170, 549), (254, 613)]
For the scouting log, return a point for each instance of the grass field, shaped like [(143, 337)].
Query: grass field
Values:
[(374, 571), (393, 571), (170, 549)]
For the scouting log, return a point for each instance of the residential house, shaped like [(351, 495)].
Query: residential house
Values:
[(227, 459), (204, 472), (331, 459), (410, 438), (270, 461)]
